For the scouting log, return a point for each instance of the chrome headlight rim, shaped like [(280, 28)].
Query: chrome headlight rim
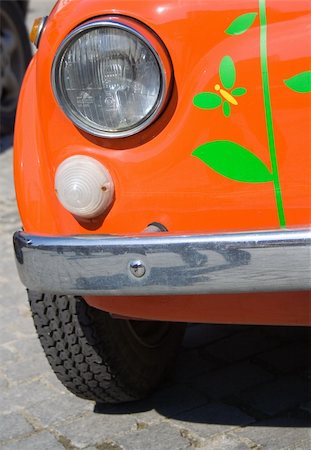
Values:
[(139, 31)]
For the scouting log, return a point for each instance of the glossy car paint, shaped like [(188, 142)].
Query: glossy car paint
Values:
[(156, 176)]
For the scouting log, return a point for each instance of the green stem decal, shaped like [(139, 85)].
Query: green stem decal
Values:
[(268, 110), (229, 158)]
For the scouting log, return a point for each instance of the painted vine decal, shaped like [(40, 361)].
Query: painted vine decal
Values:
[(241, 24), (300, 82), (229, 158), (227, 75)]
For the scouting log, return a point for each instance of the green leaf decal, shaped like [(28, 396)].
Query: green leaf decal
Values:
[(227, 72), (241, 24), (233, 161), (300, 82), (207, 100), (239, 91), (226, 109)]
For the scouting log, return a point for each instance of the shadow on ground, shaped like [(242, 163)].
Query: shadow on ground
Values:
[(236, 376)]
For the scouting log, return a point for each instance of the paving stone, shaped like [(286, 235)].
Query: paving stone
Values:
[(176, 399), (24, 395), (303, 445), (6, 355), (225, 442), (26, 369), (3, 384), (158, 437), (277, 396), (50, 379), (288, 334), (22, 327), (212, 419), (93, 429), (142, 411), (16, 316), (38, 441), (279, 433), (288, 358), (189, 364), (57, 410), (6, 334), (13, 426), (232, 380), (241, 345), (12, 292), (26, 348), (148, 417), (199, 335)]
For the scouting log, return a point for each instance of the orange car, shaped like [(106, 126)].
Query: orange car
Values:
[(162, 170)]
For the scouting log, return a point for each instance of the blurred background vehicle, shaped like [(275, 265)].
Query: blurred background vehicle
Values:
[(15, 54)]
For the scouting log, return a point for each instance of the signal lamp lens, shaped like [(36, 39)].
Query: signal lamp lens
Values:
[(84, 186)]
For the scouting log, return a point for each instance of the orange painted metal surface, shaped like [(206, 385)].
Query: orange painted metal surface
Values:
[(157, 179), (275, 308)]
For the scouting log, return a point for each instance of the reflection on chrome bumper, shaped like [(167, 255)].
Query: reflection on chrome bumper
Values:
[(165, 264)]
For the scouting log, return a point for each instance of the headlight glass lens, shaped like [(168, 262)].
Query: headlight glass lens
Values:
[(108, 79)]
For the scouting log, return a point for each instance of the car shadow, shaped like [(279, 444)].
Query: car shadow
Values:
[(234, 376)]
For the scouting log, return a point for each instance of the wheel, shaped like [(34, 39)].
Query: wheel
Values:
[(100, 358), (15, 54)]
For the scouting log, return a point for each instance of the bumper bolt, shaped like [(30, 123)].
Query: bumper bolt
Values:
[(137, 268)]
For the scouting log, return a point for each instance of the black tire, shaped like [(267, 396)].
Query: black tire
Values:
[(100, 358), (15, 54)]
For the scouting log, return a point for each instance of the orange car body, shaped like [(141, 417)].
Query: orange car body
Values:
[(259, 125)]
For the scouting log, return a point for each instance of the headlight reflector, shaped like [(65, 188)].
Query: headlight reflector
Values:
[(109, 79)]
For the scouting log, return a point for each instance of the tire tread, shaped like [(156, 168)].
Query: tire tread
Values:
[(84, 348)]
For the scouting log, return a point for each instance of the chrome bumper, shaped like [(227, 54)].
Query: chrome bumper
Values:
[(165, 264)]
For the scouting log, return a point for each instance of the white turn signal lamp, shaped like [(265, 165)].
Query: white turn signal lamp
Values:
[(84, 186)]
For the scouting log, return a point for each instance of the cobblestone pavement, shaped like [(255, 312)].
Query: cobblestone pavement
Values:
[(234, 387)]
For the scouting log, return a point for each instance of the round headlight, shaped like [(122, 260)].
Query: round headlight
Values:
[(108, 79)]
